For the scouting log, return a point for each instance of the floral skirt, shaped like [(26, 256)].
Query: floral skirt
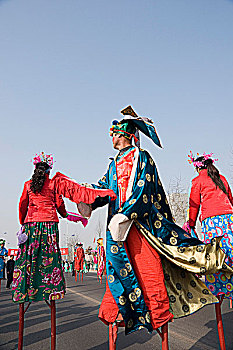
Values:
[(38, 273), (215, 226)]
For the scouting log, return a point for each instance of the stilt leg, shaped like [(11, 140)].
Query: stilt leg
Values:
[(220, 325), (112, 336), (164, 336), (75, 273), (82, 276), (53, 325), (21, 326), (231, 304), (0, 284)]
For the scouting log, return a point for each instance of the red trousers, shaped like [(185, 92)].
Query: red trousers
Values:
[(147, 266)]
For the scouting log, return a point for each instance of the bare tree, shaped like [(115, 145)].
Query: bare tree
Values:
[(99, 228), (178, 200)]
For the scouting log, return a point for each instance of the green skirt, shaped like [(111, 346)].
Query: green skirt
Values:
[(38, 273)]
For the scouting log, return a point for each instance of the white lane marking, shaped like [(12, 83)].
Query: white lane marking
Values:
[(84, 276), (197, 342), (84, 296)]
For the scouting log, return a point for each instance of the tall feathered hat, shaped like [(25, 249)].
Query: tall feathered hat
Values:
[(131, 124)]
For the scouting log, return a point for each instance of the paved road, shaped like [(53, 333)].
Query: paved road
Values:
[(79, 328)]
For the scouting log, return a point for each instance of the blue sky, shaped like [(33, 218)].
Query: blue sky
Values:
[(67, 68)]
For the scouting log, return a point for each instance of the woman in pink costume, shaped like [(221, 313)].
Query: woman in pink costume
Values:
[(101, 258)]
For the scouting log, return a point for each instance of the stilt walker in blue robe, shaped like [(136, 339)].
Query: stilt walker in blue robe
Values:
[(151, 262)]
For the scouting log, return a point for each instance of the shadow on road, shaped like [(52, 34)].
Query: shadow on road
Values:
[(212, 336), (137, 338)]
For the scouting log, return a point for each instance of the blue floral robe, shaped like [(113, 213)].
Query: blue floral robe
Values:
[(182, 256)]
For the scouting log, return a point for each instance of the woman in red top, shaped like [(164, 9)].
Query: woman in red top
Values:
[(212, 193), (38, 273)]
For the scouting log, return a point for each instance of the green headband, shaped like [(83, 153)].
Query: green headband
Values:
[(124, 127)]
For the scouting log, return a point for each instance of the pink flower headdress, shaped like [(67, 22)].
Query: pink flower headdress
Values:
[(42, 157), (200, 163)]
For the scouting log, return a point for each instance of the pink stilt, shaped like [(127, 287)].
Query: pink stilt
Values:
[(220, 324), (21, 326)]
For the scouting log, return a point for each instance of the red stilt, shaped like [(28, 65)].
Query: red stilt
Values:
[(231, 304), (75, 273), (112, 343), (113, 329), (220, 325), (82, 276), (21, 326), (164, 336), (53, 324)]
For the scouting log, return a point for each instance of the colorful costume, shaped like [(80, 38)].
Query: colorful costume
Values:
[(38, 273), (101, 257), (3, 254), (217, 221), (148, 288), (79, 258), (88, 258), (95, 260)]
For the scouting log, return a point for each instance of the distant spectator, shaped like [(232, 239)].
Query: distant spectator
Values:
[(10, 269), (3, 254)]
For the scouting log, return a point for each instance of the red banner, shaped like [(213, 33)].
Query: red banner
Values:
[(12, 252), (64, 251)]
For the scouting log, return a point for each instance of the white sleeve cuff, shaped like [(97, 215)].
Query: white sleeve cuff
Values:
[(119, 227)]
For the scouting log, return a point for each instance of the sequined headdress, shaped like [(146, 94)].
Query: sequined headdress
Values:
[(45, 158), (200, 163)]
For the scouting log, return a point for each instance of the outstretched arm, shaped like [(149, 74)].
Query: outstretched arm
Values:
[(80, 194), (194, 202)]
